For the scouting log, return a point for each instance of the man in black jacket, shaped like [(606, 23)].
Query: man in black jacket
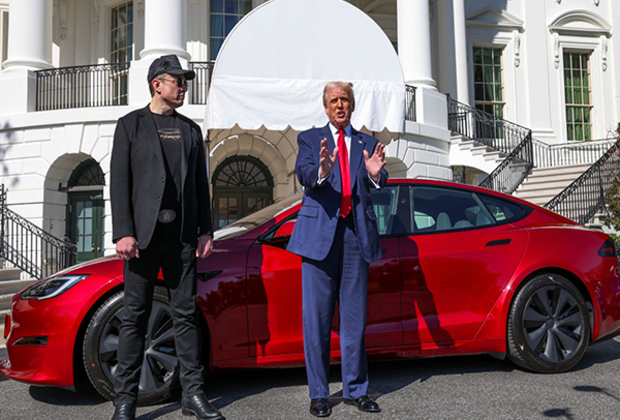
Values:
[(161, 220)]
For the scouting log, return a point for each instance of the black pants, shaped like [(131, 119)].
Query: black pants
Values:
[(178, 265)]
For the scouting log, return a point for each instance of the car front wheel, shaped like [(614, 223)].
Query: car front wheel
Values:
[(548, 326), (160, 366)]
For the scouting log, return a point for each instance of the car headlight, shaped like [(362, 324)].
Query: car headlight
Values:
[(52, 287)]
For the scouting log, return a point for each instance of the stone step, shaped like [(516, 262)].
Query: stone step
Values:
[(542, 186), (14, 286), (528, 194), (568, 168), (566, 177), (5, 305), (7, 274)]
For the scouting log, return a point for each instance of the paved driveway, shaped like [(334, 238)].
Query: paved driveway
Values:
[(474, 387)]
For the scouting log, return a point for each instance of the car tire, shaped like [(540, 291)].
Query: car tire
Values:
[(160, 367), (548, 327)]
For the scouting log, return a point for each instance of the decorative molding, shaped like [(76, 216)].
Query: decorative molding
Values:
[(493, 17), (140, 8), (581, 22), (516, 39), (97, 7), (556, 50), (604, 48), (63, 19)]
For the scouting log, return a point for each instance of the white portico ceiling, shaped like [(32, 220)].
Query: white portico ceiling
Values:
[(273, 66)]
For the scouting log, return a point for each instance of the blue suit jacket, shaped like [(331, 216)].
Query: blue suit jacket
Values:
[(316, 224)]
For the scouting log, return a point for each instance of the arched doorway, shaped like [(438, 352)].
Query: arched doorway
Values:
[(241, 186), (85, 210)]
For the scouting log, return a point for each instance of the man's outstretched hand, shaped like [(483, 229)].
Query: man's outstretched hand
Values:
[(376, 162), (327, 160)]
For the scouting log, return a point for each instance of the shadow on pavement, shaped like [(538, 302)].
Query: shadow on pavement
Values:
[(563, 413), (603, 352), (86, 395)]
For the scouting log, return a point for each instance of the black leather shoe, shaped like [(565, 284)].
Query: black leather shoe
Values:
[(198, 405), (364, 403), (125, 411), (319, 407)]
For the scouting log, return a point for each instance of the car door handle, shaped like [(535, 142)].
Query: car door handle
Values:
[(499, 242)]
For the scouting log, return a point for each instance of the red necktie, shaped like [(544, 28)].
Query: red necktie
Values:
[(345, 175)]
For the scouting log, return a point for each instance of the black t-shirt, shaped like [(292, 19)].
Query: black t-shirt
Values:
[(172, 146)]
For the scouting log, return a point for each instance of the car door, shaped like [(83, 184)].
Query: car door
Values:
[(274, 289), (458, 258)]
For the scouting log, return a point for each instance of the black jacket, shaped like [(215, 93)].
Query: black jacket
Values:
[(138, 178)]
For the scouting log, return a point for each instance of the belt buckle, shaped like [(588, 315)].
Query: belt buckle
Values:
[(166, 216)]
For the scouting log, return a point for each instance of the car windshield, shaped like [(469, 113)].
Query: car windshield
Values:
[(255, 219)]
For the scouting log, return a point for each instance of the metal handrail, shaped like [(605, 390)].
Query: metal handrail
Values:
[(513, 170), (571, 153), (92, 85), (410, 112), (498, 134), (29, 247), (586, 195), (199, 86)]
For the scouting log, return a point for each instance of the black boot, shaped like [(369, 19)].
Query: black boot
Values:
[(198, 405)]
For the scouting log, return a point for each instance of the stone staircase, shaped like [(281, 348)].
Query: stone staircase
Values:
[(10, 284), (545, 183), (465, 152)]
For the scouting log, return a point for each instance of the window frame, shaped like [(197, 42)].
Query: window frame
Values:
[(574, 106), (493, 103)]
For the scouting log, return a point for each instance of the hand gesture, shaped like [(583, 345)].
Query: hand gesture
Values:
[(376, 162), (127, 248), (205, 246), (327, 160)]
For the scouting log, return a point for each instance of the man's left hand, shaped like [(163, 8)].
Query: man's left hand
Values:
[(376, 162), (205, 246)]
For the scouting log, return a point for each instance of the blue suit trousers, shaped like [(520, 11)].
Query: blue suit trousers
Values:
[(342, 276)]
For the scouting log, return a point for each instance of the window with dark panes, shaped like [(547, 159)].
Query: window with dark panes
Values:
[(224, 15), (121, 47), (577, 96), (242, 185), (488, 80)]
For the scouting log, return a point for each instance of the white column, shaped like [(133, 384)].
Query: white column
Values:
[(460, 47), (30, 35), (452, 45), (414, 41), (164, 32)]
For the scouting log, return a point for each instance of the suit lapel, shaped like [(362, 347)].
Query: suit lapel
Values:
[(331, 145), (148, 125), (356, 155), (186, 146)]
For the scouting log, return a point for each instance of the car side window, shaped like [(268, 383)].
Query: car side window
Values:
[(385, 203), (501, 210), (437, 209)]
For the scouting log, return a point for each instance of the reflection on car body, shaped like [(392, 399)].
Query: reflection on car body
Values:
[(464, 271)]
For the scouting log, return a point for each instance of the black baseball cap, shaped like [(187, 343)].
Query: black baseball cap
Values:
[(168, 64)]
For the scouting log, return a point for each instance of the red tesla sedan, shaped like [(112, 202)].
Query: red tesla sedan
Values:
[(465, 270)]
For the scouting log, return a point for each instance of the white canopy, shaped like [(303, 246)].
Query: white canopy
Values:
[(273, 66)]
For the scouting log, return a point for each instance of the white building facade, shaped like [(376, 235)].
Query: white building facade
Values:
[(71, 68)]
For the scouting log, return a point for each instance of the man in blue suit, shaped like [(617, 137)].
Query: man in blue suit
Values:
[(336, 235)]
